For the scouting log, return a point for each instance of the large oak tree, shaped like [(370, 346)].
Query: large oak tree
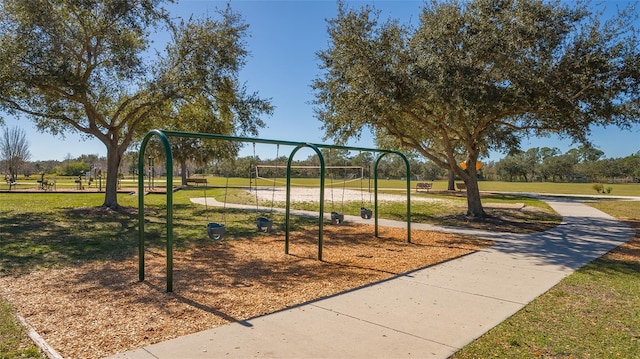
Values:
[(87, 66), (477, 75), (224, 107)]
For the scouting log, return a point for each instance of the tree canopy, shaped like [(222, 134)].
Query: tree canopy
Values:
[(476, 76), (87, 66), (576, 165)]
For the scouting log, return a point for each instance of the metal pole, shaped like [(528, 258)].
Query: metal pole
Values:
[(375, 195), (288, 198), (143, 145), (287, 209), (408, 189), (321, 214), (408, 176), (169, 164), (153, 172)]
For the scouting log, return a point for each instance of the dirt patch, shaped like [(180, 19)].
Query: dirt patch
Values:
[(105, 211), (628, 252), (99, 309), (525, 220)]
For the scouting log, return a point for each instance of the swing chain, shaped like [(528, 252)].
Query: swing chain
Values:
[(215, 230)]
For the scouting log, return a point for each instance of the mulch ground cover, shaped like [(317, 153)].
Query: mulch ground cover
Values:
[(100, 308)]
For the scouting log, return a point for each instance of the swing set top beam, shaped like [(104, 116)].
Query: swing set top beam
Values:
[(303, 166), (215, 136), (163, 134)]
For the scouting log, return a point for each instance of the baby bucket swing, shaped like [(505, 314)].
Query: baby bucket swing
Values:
[(216, 230), (337, 217), (264, 224), (365, 213)]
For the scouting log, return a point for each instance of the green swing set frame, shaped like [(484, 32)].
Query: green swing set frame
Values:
[(163, 136)]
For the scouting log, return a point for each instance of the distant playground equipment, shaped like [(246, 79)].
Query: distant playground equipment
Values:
[(78, 182), (10, 181), (44, 184), (261, 170), (163, 137), (337, 217), (461, 186), (479, 165), (152, 172)]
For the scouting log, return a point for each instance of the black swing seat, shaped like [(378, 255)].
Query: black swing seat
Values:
[(264, 224), (365, 213), (337, 218), (215, 230)]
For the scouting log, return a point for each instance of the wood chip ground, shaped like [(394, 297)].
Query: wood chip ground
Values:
[(99, 309)]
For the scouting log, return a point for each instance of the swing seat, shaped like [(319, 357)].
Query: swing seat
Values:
[(337, 218), (365, 213), (215, 230), (264, 224)]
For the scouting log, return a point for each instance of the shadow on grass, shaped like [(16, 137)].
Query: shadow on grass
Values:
[(32, 240), (504, 220), (47, 239)]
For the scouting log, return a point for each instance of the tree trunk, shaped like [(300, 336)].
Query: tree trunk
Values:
[(474, 203), (183, 171), (452, 181), (111, 187)]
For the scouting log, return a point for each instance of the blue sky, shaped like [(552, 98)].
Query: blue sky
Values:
[(284, 37)]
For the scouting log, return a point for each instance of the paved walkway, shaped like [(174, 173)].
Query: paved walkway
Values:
[(427, 313)]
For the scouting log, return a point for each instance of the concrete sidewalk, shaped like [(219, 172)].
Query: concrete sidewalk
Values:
[(427, 313)]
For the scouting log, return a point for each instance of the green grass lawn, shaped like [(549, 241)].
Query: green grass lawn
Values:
[(14, 342), (55, 229), (617, 189), (51, 229), (593, 313)]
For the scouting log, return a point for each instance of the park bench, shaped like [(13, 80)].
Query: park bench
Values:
[(423, 186), (196, 181), (461, 186)]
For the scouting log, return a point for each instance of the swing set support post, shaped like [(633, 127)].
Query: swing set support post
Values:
[(169, 168), (375, 190), (288, 198)]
